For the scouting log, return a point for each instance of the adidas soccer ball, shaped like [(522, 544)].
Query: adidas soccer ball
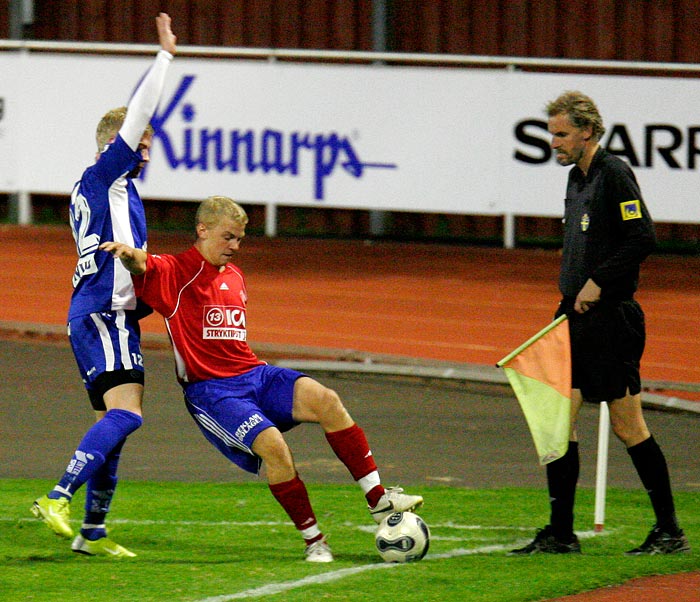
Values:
[(402, 537)]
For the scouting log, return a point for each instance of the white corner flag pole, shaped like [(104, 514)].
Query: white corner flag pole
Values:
[(601, 467)]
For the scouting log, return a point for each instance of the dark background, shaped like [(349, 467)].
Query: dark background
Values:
[(633, 30), (422, 431)]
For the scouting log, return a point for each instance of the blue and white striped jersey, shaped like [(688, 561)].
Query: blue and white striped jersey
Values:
[(105, 206)]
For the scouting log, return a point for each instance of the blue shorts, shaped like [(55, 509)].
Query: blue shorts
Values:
[(232, 412), (107, 348)]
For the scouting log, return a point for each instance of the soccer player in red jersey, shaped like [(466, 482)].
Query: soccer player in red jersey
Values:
[(241, 404)]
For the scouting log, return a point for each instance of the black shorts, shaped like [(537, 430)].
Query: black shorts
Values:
[(108, 380), (607, 343)]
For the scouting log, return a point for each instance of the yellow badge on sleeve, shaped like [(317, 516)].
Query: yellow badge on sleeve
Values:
[(631, 210)]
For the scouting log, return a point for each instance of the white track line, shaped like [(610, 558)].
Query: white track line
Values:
[(260, 523), (168, 523), (277, 588)]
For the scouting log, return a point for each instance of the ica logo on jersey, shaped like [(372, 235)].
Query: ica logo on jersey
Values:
[(224, 322), (247, 151)]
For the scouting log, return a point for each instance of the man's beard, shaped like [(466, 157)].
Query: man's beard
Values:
[(569, 158)]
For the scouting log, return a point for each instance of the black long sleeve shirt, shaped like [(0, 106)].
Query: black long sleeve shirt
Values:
[(608, 231)]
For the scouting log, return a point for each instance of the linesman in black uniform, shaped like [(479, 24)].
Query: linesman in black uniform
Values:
[(608, 232)]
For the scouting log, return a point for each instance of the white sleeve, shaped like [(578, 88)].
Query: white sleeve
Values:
[(145, 100)]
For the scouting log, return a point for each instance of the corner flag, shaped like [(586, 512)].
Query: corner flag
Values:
[(539, 371)]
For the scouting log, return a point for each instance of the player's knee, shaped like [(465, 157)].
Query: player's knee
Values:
[(273, 449), (127, 421), (331, 405), (317, 403), (332, 414), (620, 432), (630, 434), (330, 399)]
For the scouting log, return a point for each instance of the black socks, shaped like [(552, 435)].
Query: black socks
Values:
[(562, 478), (651, 466)]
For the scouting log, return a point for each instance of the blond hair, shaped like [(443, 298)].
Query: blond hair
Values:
[(580, 109), (109, 126), (216, 208)]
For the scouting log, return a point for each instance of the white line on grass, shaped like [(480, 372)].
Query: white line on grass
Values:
[(449, 525), (168, 523), (202, 523), (260, 523), (277, 588)]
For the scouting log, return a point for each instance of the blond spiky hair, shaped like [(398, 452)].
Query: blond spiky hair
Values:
[(109, 126), (215, 208)]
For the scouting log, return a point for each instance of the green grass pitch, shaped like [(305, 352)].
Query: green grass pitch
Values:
[(214, 542)]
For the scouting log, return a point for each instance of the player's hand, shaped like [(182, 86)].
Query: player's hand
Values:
[(587, 297), (133, 260), (166, 37), (117, 249)]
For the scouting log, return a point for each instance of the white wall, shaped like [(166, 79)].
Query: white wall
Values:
[(391, 138)]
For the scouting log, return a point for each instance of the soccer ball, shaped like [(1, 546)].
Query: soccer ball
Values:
[(402, 537)]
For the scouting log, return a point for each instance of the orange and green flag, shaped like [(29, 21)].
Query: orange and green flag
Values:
[(539, 371)]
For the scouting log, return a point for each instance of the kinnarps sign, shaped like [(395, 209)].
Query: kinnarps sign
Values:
[(360, 136)]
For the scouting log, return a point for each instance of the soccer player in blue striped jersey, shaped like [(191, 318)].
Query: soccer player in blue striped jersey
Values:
[(103, 319)]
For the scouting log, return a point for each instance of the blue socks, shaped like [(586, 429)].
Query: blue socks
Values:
[(104, 437), (98, 497)]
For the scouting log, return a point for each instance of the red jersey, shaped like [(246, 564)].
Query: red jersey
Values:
[(205, 313)]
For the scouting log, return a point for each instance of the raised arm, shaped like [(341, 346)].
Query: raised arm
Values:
[(166, 37), (145, 99), (134, 260)]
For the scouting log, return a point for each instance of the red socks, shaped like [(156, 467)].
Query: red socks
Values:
[(294, 498), (352, 449)]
